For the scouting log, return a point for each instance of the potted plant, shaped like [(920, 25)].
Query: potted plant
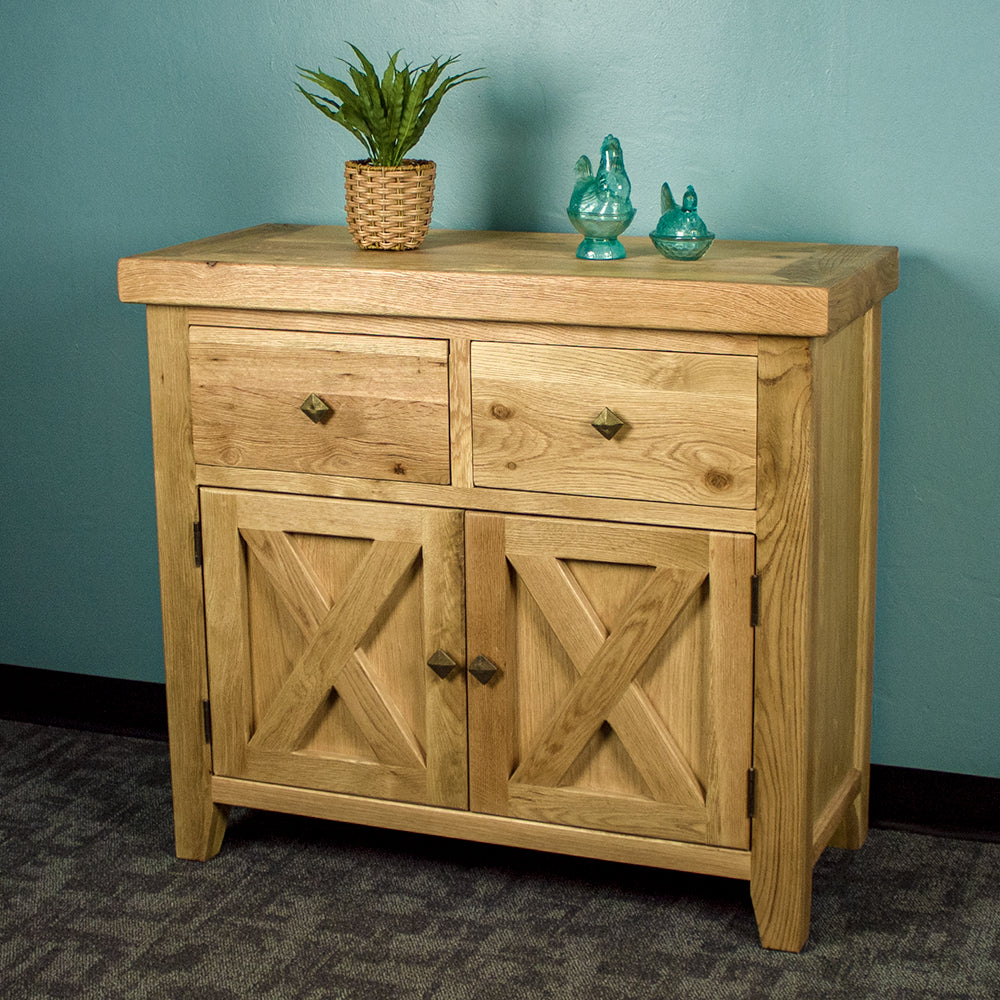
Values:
[(389, 197)]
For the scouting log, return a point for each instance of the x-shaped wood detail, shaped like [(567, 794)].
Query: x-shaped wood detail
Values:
[(605, 688), (332, 657)]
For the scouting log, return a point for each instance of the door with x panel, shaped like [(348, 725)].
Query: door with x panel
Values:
[(321, 618), (622, 694)]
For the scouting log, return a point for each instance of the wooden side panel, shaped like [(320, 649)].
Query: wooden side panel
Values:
[(620, 712), (689, 432), (387, 399), (854, 829), (322, 615), (841, 476), (859, 500), (199, 825)]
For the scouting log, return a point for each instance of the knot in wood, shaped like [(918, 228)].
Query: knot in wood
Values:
[(716, 479)]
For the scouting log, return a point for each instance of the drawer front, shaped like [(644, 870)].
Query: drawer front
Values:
[(689, 423), (387, 400)]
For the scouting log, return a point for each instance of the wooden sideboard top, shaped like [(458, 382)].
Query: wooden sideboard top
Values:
[(795, 289)]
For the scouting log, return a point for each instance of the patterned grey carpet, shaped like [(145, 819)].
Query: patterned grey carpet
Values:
[(94, 905)]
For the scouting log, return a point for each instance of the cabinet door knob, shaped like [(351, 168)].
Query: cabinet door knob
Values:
[(315, 409), (441, 663), (607, 423), (483, 669)]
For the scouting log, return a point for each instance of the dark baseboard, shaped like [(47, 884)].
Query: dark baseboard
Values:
[(82, 701), (902, 798), (935, 802)]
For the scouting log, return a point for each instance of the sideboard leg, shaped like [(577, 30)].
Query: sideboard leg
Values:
[(199, 824), (198, 834), (782, 850), (781, 890), (853, 830), (782, 857)]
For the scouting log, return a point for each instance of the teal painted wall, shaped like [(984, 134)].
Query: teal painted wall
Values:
[(127, 126)]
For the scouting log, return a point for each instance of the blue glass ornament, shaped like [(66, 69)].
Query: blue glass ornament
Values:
[(680, 234), (600, 208)]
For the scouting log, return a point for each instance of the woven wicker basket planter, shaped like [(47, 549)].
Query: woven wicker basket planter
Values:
[(389, 208)]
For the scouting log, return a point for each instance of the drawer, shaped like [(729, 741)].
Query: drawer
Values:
[(689, 431), (387, 399)]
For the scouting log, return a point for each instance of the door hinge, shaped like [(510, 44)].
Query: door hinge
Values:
[(754, 601), (206, 712), (197, 543), (751, 792)]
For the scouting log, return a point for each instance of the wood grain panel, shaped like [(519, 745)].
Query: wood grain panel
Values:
[(388, 399), (480, 498), (781, 867), (607, 677), (578, 841), (728, 698), (461, 413), (689, 435), (854, 827), (580, 631), (313, 609), (488, 608), (569, 334), (839, 385), (769, 288), (624, 814), (445, 733), (611, 694)]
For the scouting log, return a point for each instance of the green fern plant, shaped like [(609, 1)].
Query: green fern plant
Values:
[(387, 113)]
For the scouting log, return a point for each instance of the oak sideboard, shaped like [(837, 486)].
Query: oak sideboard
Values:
[(484, 541)]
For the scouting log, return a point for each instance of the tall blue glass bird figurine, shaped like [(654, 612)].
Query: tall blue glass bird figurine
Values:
[(600, 207)]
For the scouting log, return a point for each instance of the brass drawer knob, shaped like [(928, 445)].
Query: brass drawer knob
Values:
[(441, 663), (315, 409), (483, 669), (607, 423)]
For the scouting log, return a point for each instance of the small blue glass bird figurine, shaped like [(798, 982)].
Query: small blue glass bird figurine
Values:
[(600, 208), (680, 234)]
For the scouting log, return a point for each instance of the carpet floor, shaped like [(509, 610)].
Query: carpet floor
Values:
[(93, 904)]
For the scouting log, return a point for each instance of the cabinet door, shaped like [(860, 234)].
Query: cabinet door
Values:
[(321, 617), (623, 696)]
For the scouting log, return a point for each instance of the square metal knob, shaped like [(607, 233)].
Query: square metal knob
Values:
[(483, 669), (315, 409), (607, 423), (441, 663)]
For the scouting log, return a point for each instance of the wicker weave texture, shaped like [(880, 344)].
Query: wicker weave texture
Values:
[(389, 208)]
